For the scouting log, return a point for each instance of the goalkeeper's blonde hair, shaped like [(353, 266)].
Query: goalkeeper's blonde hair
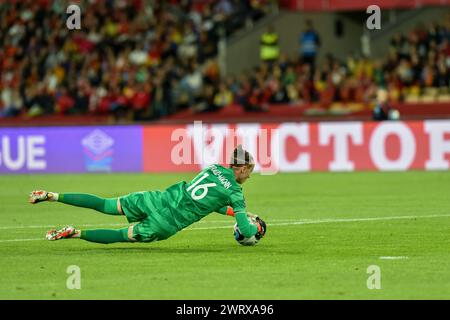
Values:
[(241, 157)]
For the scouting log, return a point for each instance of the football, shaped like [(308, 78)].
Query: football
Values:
[(239, 237)]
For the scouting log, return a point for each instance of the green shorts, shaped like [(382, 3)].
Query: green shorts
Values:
[(154, 219)]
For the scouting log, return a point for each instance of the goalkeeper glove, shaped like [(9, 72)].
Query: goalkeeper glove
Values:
[(261, 228), (251, 215)]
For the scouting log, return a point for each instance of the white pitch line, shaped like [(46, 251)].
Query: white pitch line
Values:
[(339, 220), (288, 223), (394, 258), (18, 240), (121, 224)]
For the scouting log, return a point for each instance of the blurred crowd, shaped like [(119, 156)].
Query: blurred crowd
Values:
[(143, 59), (138, 58), (417, 63)]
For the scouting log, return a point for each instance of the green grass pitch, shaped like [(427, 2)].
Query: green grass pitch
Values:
[(324, 231)]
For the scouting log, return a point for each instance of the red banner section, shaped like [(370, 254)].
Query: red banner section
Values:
[(296, 147), (333, 5)]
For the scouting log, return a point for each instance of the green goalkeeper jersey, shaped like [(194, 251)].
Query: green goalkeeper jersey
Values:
[(212, 190), (163, 213)]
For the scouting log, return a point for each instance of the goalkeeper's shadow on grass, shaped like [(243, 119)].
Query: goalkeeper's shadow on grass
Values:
[(149, 249), (248, 250)]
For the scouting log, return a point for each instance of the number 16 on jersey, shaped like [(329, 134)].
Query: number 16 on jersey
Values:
[(195, 187)]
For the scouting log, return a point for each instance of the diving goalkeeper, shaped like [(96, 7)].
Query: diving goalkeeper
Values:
[(161, 214)]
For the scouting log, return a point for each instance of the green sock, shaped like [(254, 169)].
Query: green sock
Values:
[(105, 235), (108, 206)]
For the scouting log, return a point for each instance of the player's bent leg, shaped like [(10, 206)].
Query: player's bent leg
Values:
[(106, 235), (129, 234), (99, 236), (84, 200), (107, 206)]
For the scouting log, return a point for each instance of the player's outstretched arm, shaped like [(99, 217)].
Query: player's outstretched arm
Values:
[(246, 228), (241, 215), (227, 210)]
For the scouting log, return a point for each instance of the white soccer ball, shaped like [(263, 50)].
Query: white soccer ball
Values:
[(239, 237)]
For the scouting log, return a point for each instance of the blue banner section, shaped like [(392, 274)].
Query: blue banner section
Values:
[(71, 149)]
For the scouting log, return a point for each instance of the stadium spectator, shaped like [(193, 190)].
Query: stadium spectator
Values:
[(309, 45), (383, 110), (206, 102), (11, 102), (269, 49), (63, 101), (141, 102), (223, 97), (442, 79)]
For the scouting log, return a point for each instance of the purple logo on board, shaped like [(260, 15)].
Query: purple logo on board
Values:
[(98, 151)]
